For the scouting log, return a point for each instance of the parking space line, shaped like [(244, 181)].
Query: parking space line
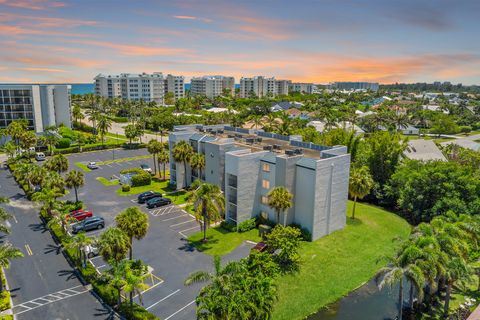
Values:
[(178, 224), (183, 234), (163, 299), (180, 310), (183, 215)]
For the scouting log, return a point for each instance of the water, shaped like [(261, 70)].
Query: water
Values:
[(365, 303), (82, 88)]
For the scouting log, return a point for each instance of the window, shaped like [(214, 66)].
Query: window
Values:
[(265, 184), (266, 167), (264, 200)]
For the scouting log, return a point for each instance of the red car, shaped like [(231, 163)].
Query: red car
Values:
[(80, 215), (260, 247)]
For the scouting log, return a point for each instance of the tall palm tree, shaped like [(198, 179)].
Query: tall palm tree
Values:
[(54, 180), (457, 269), (50, 141), (114, 244), (79, 242), (219, 272), (36, 176), (163, 158), (77, 113), (7, 253), (208, 202), (4, 216), (197, 162), (154, 147), (104, 123), (134, 223), (75, 180), (280, 199), (256, 121), (48, 197), (134, 274), (57, 163), (182, 152), (360, 184)]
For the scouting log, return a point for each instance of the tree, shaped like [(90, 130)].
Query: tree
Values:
[(15, 130), (208, 202), (154, 147), (169, 98), (457, 269), (48, 198), (57, 163), (197, 162), (4, 216), (134, 223), (163, 158), (114, 244), (28, 139), (182, 152), (360, 184), (75, 180), (104, 123), (50, 140), (285, 241), (80, 242), (134, 274), (280, 199), (132, 132), (444, 124), (7, 253), (77, 113), (219, 272), (53, 180)]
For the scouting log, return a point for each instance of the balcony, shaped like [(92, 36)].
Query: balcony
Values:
[(232, 181), (232, 199)]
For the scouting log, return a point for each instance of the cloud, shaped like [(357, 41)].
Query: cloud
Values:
[(192, 18), (32, 4), (136, 50), (42, 69)]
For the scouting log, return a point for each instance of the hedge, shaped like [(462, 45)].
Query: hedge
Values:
[(118, 119), (4, 296), (247, 225), (132, 170), (63, 143), (142, 179)]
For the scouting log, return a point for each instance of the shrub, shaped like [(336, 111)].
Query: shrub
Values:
[(465, 129), (136, 313), (83, 127), (285, 241), (63, 143), (247, 225), (132, 170), (125, 187), (267, 222), (142, 179), (229, 226), (306, 235), (4, 297), (476, 126), (119, 119)]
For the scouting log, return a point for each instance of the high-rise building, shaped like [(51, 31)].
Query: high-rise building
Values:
[(373, 86), (146, 87), (307, 88), (41, 105), (260, 86), (212, 86)]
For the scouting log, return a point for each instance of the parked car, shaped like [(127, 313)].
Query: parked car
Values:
[(92, 165), (260, 247), (91, 251), (158, 202), (144, 197), (39, 156), (146, 168), (89, 224), (80, 215)]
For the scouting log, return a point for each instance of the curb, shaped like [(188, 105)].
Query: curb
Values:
[(7, 288)]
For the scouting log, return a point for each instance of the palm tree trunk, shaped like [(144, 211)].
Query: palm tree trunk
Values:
[(119, 301), (204, 214), (154, 165), (164, 174), (185, 174), (1, 285), (447, 300), (411, 297), (354, 205), (76, 194), (131, 298), (400, 300), (131, 248), (278, 216)]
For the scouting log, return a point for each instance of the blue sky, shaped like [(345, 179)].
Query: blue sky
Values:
[(305, 40)]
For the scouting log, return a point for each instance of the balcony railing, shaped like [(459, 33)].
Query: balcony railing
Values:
[(232, 181)]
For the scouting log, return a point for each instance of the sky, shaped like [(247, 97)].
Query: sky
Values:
[(320, 41)]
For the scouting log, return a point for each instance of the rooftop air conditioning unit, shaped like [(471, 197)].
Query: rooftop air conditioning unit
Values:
[(269, 148)]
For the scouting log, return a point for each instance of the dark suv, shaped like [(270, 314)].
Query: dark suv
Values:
[(158, 202), (144, 197), (89, 224)]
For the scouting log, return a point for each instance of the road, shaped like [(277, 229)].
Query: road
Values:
[(42, 284)]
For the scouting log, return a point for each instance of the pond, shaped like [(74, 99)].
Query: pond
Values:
[(365, 303)]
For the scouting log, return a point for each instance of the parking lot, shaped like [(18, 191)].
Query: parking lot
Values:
[(165, 249)]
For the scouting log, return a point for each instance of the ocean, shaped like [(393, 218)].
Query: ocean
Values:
[(84, 88)]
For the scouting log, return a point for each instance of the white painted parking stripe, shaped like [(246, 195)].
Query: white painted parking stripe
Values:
[(163, 299), (178, 224), (180, 310), (183, 215)]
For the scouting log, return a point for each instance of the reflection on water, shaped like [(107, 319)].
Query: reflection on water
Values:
[(365, 303)]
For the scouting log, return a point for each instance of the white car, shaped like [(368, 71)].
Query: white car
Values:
[(91, 251), (39, 156), (92, 165), (146, 168)]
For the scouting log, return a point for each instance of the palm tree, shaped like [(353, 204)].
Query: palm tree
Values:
[(134, 274), (280, 199), (54, 180), (197, 162), (48, 198), (79, 242), (10, 149), (114, 244), (457, 269), (360, 184), (154, 147), (256, 121), (50, 141), (7, 252), (4, 216), (75, 180), (208, 202), (182, 152), (134, 223), (36, 176), (219, 272), (57, 163), (77, 113), (161, 132), (163, 158), (104, 123)]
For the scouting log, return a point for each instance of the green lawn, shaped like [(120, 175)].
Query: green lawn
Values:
[(82, 166), (123, 160), (335, 265), (107, 182), (221, 241), (156, 185)]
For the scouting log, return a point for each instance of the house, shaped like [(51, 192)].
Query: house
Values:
[(219, 110), (410, 131), (425, 150), (247, 164)]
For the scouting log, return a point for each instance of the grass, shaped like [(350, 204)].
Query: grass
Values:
[(107, 182), (340, 262), (156, 185), (82, 166), (221, 241), (179, 197), (123, 160)]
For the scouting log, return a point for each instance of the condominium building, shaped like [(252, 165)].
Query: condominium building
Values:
[(212, 86), (373, 86), (146, 87), (260, 86), (40, 104), (307, 88), (247, 164)]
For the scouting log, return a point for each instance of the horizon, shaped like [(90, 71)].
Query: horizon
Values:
[(320, 42)]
